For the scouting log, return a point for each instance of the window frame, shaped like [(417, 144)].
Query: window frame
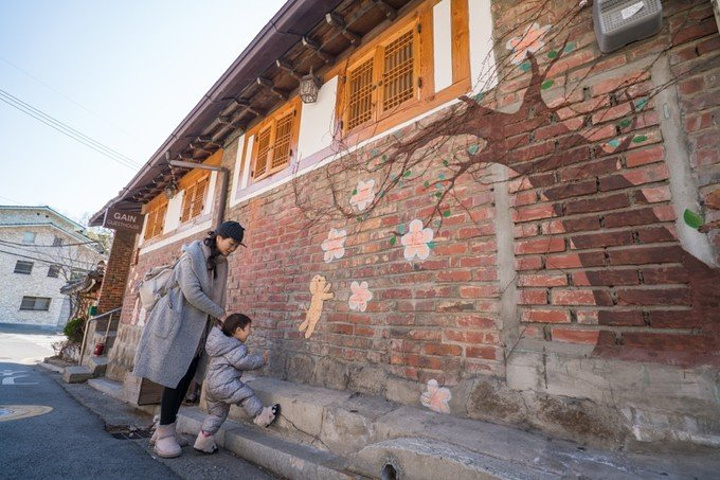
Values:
[(376, 53), (270, 124), (26, 299), (155, 213), (56, 269), (29, 241), (22, 271), (189, 184)]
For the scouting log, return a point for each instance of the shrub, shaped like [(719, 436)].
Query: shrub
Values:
[(75, 329)]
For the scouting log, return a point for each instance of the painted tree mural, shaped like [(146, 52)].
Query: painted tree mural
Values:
[(594, 232)]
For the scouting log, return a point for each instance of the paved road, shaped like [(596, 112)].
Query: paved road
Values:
[(52, 430)]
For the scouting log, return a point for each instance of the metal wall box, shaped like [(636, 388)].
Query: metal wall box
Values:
[(619, 22)]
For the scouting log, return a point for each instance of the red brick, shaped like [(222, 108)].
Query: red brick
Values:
[(621, 318), (571, 189), (601, 240), (665, 296), (528, 296), (525, 214), (546, 316), (575, 260), (540, 245), (652, 154), (606, 277), (575, 335), (580, 297), (542, 280), (442, 349), (596, 204), (638, 176), (644, 255), (488, 352)]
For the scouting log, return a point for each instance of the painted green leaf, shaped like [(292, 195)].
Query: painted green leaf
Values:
[(401, 229), (473, 149), (354, 192), (407, 174), (381, 193), (393, 240), (625, 122), (615, 142), (437, 223), (525, 66), (438, 194), (639, 139), (441, 176), (359, 218), (446, 163), (384, 158), (552, 54), (446, 213), (547, 84), (439, 186), (374, 152), (641, 103), (570, 47), (479, 96), (431, 245), (692, 219), (427, 184)]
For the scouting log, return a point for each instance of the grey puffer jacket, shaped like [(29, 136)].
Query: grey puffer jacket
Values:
[(229, 358)]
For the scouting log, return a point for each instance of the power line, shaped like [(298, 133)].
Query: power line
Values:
[(69, 99), (67, 130)]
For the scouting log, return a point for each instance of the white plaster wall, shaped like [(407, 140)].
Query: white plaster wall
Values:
[(174, 210), (442, 45), (316, 121), (15, 286), (482, 59)]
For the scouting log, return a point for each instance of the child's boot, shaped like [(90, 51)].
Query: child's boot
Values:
[(267, 416), (166, 445), (205, 443)]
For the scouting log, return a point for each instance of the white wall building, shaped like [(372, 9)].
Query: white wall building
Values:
[(40, 250)]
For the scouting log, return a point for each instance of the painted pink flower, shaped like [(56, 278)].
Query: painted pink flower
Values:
[(436, 398), (529, 41), (416, 241), (363, 195), (360, 296), (334, 245)]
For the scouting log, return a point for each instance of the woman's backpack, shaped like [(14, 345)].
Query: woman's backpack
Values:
[(155, 284)]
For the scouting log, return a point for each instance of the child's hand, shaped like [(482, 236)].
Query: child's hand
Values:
[(266, 356)]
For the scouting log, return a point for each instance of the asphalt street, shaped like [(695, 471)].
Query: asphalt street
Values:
[(53, 430)]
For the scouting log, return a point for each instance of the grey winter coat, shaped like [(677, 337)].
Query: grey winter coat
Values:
[(178, 322), (229, 358)]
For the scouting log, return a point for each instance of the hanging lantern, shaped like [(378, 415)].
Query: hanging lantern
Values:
[(309, 87)]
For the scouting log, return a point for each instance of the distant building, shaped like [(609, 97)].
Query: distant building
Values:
[(40, 251)]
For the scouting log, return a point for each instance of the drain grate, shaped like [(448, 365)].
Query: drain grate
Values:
[(128, 432)]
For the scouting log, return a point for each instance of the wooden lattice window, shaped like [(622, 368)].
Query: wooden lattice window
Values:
[(155, 221), (274, 140), (384, 79), (360, 90), (398, 78), (194, 199)]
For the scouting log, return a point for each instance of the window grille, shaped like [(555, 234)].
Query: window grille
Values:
[(360, 89), (283, 136), (155, 221), (23, 267), (57, 242), (53, 271), (263, 152), (273, 144), (398, 78)]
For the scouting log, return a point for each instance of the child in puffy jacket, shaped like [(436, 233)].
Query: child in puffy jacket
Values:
[(223, 387)]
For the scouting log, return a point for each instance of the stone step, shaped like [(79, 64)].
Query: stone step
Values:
[(282, 457), (76, 374), (97, 365)]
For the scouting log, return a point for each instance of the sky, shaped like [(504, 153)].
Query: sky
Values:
[(117, 76)]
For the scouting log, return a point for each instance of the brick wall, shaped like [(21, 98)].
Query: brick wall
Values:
[(553, 205), (116, 272)]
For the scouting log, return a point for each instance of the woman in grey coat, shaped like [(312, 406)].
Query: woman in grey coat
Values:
[(169, 351), (229, 357)]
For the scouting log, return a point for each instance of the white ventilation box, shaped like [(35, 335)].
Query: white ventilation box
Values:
[(619, 22)]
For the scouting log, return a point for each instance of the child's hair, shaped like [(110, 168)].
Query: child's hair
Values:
[(235, 321)]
